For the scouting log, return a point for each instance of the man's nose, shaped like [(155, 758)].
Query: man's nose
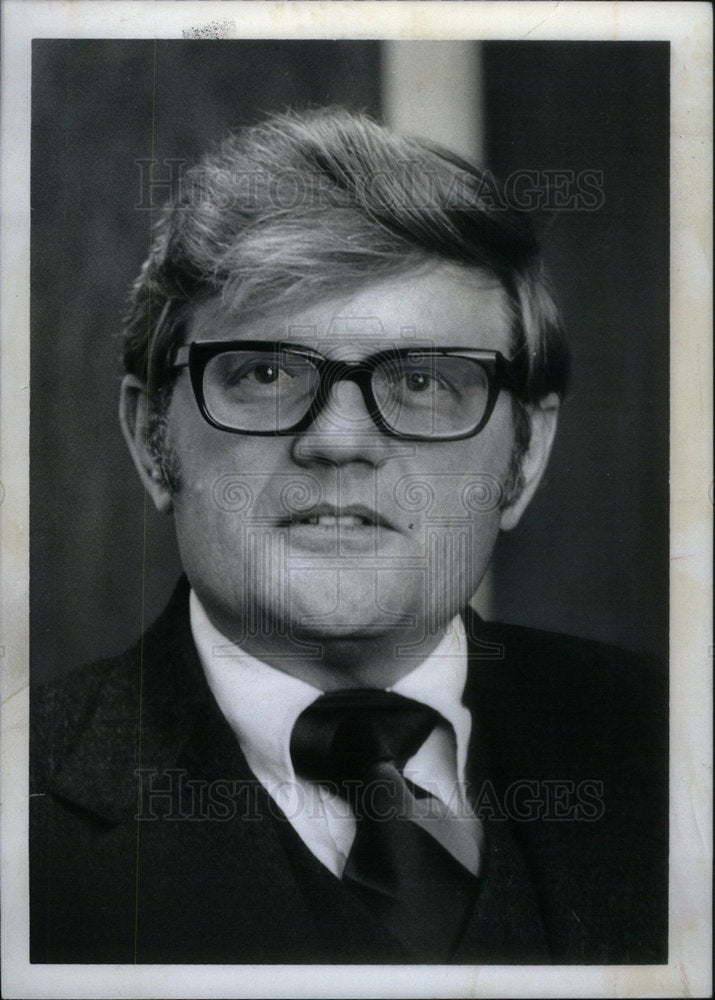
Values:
[(343, 432)]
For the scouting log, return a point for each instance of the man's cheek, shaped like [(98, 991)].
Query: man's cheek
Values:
[(448, 500), (212, 541), (454, 518)]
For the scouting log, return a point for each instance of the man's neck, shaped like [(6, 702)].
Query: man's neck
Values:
[(331, 663)]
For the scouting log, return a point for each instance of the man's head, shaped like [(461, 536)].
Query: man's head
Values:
[(330, 233)]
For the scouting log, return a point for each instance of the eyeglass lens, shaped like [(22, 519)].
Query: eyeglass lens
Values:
[(418, 394)]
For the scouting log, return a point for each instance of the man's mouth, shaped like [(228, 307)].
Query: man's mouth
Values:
[(332, 521), (348, 518)]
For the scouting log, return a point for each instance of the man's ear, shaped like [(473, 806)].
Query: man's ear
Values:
[(544, 418), (134, 418)]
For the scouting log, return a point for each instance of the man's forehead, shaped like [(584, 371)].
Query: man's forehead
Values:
[(447, 303)]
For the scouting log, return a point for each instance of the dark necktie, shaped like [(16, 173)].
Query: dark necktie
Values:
[(403, 864)]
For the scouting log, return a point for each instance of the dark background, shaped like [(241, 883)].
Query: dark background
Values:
[(591, 554)]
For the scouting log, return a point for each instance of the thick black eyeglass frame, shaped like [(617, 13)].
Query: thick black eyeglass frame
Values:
[(501, 374)]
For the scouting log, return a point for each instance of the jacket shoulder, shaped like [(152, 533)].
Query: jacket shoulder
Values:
[(98, 704), (61, 710), (565, 672), (569, 707)]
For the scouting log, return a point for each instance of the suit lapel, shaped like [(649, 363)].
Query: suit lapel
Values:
[(139, 719), (506, 925)]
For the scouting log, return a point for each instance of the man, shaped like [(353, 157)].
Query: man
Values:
[(344, 371)]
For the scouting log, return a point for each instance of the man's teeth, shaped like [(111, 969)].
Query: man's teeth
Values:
[(334, 520)]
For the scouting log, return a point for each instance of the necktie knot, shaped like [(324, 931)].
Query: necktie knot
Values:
[(410, 867), (343, 735)]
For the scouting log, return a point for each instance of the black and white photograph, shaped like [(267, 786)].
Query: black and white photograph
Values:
[(351, 630)]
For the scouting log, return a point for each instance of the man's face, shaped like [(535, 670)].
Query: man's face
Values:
[(404, 530)]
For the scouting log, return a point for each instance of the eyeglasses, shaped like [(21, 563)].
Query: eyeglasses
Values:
[(418, 394)]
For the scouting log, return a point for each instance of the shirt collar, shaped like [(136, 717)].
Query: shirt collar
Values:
[(262, 703), (439, 682)]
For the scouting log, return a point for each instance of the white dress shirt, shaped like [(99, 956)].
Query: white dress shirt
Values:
[(261, 704)]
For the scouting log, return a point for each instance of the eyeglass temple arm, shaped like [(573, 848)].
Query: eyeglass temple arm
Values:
[(156, 339), (180, 357)]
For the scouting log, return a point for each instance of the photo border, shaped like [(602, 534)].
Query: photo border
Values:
[(688, 26)]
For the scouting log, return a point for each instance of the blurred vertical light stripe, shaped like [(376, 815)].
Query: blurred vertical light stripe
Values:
[(434, 90)]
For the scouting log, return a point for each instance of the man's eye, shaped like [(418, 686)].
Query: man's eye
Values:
[(265, 374), (417, 381), (259, 373)]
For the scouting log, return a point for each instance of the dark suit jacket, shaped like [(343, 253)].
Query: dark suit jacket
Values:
[(151, 841)]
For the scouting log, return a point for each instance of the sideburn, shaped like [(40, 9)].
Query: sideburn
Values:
[(160, 445), (514, 483)]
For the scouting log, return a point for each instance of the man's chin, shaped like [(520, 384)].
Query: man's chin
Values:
[(328, 628)]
